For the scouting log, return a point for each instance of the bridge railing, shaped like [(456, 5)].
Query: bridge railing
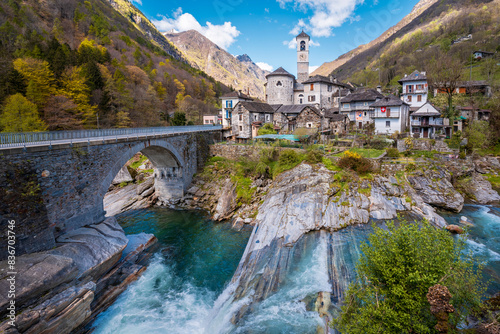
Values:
[(29, 138)]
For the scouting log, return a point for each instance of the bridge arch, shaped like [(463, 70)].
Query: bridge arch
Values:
[(169, 169)]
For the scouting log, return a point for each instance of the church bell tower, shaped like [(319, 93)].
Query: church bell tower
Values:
[(302, 56)]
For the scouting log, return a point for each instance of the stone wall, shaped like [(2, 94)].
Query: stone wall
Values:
[(231, 151), (49, 192), (424, 144), (308, 117)]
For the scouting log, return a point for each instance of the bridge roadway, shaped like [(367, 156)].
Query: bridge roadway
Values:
[(37, 141)]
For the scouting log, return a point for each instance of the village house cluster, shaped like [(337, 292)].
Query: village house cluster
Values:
[(331, 107)]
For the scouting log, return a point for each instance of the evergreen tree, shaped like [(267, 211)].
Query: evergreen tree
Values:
[(20, 115), (179, 119)]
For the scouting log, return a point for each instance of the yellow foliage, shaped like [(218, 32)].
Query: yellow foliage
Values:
[(352, 155), (38, 77)]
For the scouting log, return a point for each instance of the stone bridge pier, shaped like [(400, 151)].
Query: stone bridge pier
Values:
[(51, 190)]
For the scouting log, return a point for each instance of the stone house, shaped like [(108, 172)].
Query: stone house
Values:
[(357, 106), (391, 115), (229, 101), (248, 117), (336, 123), (287, 118)]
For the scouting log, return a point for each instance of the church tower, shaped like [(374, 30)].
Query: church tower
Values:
[(302, 56)]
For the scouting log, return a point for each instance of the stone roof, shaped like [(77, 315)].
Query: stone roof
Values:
[(428, 109), (303, 34), (295, 108), (362, 95), (335, 117), (236, 94), (388, 101), (280, 71), (258, 107), (415, 76)]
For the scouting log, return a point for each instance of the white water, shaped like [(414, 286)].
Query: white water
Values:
[(158, 303)]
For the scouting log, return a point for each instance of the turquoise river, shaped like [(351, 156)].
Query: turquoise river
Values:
[(183, 288)]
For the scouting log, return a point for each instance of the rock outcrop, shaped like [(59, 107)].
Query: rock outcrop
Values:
[(130, 197), (65, 288), (300, 202), (122, 176), (434, 186)]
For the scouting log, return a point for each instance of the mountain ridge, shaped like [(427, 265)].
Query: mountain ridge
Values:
[(239, 72)]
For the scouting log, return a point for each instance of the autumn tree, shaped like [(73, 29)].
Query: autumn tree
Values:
[(39, 79), (74, 86), (444, 74), (20, 115)]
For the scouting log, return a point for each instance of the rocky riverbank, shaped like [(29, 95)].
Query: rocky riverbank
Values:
[(62, 290)]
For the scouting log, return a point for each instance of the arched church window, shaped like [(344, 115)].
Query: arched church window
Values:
[(279, 83), (303, 46)]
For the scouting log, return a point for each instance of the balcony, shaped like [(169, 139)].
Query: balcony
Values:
[(427, 123)]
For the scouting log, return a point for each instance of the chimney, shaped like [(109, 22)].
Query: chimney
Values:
[(248, 91), (406, 75), (331, 78), (423, 73), (379, 89)]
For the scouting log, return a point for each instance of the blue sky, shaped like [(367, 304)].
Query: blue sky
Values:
[(264, 29)]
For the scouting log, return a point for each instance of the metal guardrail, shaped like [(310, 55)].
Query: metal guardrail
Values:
[(23, 139)]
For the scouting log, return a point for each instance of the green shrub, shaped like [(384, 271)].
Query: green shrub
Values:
[(411, 167), (392, 152), (462, 155), (354, 161), (314, 156), (288, 157), (266, 129)]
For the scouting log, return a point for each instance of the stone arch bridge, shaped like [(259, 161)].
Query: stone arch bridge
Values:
[(56, 184)]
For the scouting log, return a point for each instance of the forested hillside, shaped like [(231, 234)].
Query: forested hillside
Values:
[(443, 28), (69, 64)]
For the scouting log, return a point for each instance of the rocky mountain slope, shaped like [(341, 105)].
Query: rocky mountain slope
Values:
[(239, 72), (433, 28), (329, 67)]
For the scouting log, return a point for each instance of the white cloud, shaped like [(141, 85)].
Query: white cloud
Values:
[(313, 68), (223, 35), (327, 14), (265, 66), (293, 43), (266, 10), (137, 1)]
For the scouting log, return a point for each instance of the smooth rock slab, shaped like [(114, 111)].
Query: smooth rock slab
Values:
[(37, 274), (95, 248), (122, 176)]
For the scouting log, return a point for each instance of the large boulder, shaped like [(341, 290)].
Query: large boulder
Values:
[(37, 274), (122, 176), (479, 190), (227, 201), (434, 186), (95, 248)]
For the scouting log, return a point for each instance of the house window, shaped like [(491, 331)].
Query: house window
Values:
[(302, 46), (419, 98), (312, 87), (311, 98), (268, 118), (241, 117), (330, 88), (229, 104), (241, 128), (365, 103), (409, 98), (365, 113), (309, 125), (255, 117), (409, 88), (387, 124), (346, 105), (329, 99), (300, 101), (279, 83)]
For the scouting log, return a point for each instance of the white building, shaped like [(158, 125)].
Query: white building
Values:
[(415, 89), (390, 115), (229, 101), (427, 122)]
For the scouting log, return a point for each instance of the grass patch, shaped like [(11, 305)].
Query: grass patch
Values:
[(136, 164), (330, 165)]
